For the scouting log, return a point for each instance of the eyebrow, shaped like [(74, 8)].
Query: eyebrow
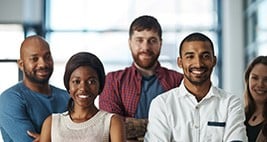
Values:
[(253, 74), (191, 52)]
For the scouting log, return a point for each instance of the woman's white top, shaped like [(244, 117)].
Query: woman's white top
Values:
[(95, 129)]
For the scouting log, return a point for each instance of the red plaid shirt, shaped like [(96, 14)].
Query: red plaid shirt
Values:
[(122, 89)]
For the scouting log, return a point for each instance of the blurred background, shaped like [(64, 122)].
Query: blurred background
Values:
[(237, 28)]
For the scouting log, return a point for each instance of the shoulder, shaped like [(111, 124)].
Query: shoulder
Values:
[(15, 91), (47, 122), (59, 91), (48, 119), (116, 120), (226, 97), (15, 88), (167, 97), (116, 117), (121, 71), (113, 117), (121, 74), (223, 93)]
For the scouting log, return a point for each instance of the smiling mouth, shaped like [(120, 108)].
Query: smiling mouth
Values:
[(260, 92), (197, 71), (84, 96), (42, 72)]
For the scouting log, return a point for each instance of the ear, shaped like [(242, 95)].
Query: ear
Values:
[(179, 62), (214, 61), (129, 43), (20, 64)]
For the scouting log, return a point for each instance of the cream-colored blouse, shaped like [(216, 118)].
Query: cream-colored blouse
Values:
[(95, 129)]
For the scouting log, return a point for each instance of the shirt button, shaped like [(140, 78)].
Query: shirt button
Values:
[(197, 107), (196, 126)]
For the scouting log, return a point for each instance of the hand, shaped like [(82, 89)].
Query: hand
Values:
[(135, 128), (34, 135)]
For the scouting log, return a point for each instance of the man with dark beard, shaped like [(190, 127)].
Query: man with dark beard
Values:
[(24, 106), (129, 92), (196, 111)]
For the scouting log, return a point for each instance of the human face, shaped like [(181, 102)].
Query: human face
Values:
[(258, 83), (36, 61), (197, 61), (84, 86), (145, 47)]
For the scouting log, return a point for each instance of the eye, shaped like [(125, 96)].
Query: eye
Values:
[(75, 81), (138, 40), (92, 81), (34, 59), (153, 41), (189, 56), (253, 77), (206, 56), (48, 57)]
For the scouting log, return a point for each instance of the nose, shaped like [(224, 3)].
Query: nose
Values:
[(261, 83), (42, 62), (145, 45), (198, 61), (84, 86)]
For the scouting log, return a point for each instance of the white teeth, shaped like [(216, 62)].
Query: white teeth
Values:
[(260, 92), (197, 72), (83, 96)]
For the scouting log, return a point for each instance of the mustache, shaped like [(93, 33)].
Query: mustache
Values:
[(43, 69), (146, 52)]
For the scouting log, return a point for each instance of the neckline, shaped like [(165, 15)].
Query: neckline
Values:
[(74, 125)]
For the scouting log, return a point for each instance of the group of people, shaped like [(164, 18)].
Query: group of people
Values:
[(143, 102)]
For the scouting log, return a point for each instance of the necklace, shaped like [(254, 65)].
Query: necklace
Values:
[(254, 118)]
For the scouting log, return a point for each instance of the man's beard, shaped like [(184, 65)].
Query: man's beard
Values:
[(145, 65), (33, 78), (197, 82)]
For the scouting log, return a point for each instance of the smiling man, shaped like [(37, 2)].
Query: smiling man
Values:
[(128, 92), (24, 106), (197, 110)]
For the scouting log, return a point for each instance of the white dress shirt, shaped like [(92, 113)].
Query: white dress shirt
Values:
[(176, 116)]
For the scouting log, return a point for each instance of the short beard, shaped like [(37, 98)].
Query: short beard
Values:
[(145, 66), (34, 79), (197, 83)]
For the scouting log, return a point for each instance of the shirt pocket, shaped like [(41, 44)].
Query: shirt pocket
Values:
[(215, 131)]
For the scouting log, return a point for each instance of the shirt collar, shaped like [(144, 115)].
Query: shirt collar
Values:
[(212, 92)]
